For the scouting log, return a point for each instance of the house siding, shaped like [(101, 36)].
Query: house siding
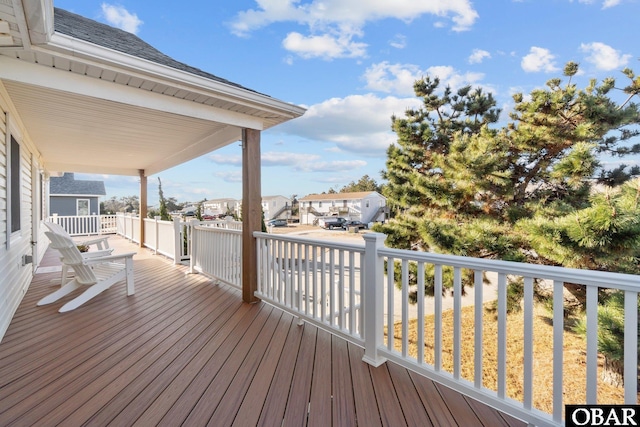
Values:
[(66, 205), (14, 277)]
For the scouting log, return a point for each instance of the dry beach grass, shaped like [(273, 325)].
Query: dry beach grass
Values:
[(574, 383)]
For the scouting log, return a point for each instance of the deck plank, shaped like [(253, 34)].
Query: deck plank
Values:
[(390, 409), (258, 366), (298, 401), (274, 404), (412, 407), (181, 408), (95, 381), (344, 409), (138, 393), (183, 350), (257, 336), (436, 407), (320, 398), (367, 412)]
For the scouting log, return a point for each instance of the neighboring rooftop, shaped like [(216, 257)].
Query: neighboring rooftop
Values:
[(338, 196), (67, 184)]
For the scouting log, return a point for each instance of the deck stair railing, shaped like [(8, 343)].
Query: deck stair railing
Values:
[(362, 293)]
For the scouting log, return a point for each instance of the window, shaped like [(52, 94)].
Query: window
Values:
[(366, 204), (14, 184), (82, 207), (319, 204)]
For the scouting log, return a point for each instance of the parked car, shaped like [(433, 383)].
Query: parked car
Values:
[(331, 222), (357, 224), (277, 223)]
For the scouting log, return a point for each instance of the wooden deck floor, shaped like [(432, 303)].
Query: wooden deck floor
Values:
[(184, 351)]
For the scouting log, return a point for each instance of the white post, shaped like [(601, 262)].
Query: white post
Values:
[(373, 298), (157, 231), (177, 242), (192, 245)]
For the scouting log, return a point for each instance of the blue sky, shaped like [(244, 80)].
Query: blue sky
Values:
[(352, 64)]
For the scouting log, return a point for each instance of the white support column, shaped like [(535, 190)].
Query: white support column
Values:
[(373, 309)]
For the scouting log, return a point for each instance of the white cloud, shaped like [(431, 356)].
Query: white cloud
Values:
[(604, 57), (283, 158), (539, 59), (605, 4), (224, 159), (610, 3), (121, 18), (398, 42), (358, 123), (299, 162), (229, 176), (325, 46), (399, 78), (333, 24), (478, 55)]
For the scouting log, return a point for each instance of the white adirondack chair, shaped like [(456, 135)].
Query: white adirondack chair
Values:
[(96, 273), (101, 244)]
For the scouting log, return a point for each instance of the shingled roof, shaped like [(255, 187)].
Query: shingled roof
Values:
[(67, 184), (103, 35)]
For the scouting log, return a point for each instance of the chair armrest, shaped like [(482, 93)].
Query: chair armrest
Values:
[(101, 253), (98, 241), (98, 260)]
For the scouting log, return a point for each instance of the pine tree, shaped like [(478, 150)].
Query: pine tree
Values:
[(164, 215), (459, 184)]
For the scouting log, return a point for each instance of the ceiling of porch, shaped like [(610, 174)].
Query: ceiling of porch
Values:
[(77, 133)]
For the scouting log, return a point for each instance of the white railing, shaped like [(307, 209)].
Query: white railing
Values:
[(169, 238), (86, 225), (217, 253), (353, 291), (320, 281)]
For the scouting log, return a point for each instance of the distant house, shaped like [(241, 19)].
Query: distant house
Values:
[(276, 207), (217, 207), (71, 197), (365, 206)]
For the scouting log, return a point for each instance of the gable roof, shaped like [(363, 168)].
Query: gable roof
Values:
[(67, 184), (96, 99), (86, 29), (339, 196)]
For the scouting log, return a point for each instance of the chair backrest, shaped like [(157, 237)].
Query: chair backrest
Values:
[(72, 257), (57, 228)]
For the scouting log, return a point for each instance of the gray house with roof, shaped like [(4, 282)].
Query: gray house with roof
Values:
[(69, 196)]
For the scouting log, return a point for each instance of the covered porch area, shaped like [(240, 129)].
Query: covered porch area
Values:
[(186, 350)]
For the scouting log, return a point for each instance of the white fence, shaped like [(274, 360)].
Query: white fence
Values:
[(353, 291), (169, 238), (217, 252), (86, 225), (320, 281)]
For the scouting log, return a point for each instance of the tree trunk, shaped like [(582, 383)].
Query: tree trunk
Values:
[(613, 372)]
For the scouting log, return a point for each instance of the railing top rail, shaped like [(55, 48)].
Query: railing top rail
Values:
[(161, 221), (629, 282), (355, 247), (217, 229)]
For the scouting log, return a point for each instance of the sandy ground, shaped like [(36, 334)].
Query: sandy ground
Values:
[(315, 232)]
